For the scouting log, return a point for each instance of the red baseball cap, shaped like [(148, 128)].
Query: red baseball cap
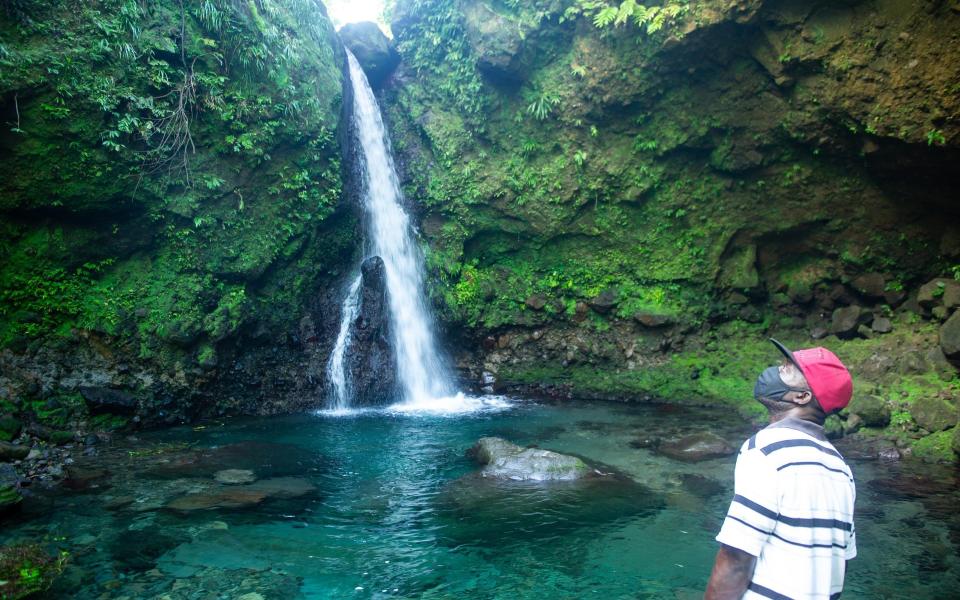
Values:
[(828, 377)]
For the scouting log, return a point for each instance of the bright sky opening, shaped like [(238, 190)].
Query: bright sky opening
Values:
[(353, 11)]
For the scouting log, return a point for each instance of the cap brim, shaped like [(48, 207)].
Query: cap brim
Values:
[(783, 349)]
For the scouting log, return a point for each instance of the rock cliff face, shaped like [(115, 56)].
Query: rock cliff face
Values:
[(628, 210), (170, 201)]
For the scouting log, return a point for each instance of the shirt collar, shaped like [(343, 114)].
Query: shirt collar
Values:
[(807, 427)]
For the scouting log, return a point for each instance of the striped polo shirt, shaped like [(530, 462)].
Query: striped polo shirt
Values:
[(793, 509)]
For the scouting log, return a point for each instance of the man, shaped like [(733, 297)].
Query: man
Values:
[(789, 530)]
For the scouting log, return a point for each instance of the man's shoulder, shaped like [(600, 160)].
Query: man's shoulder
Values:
[(778, 442)]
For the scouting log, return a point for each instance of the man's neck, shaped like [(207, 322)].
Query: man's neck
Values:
[(800, 413)]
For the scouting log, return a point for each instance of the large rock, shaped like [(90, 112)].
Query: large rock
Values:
[(10, 451), (934, 413), (496, 41), (506, 460), (696, 447), (371, 365), (872, 409), (950, 337), (374, 51), (107, 400)]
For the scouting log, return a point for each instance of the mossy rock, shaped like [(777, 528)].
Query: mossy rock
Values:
[(936, 447), (9, 428), (833, 427), (934, 413), (10, 498), (872, 409)]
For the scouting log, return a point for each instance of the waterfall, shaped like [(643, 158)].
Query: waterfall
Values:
[(336, 368), (422, 374)]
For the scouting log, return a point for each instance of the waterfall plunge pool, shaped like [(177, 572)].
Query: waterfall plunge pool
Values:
[(372, 505)]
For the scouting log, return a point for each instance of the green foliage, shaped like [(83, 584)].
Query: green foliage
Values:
[(542, 104), (26, 569), (647, 18), (436, 47), (176, 156), (935, 136)]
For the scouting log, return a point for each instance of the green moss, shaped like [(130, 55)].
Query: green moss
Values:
[(155, 249), (935, 447)]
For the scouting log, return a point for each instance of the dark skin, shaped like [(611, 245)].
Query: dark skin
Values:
[(733, 568)]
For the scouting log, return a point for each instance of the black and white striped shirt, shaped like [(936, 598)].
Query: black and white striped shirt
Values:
[(792, 509)]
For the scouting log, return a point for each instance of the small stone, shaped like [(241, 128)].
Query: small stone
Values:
[(818, 333), (833, 427), (845, 321), (254, 596), (604, 301), (871, 285), (235, 476), (852, 424), (580, 311), (653, 320), (881, 325), (536, 302)]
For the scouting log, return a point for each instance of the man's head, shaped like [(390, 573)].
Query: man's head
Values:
[(811, 383)]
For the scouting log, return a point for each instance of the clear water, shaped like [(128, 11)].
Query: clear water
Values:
[(392, 518), (422, 372)]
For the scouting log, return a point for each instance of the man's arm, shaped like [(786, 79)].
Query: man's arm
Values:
[(731, 574)]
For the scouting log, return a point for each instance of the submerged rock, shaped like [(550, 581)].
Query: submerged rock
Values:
[(506, 460), (264, 459), (372, 364), (243, 496), (235, 476), (696, 447)]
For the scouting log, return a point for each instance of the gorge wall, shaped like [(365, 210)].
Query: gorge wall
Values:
[(628, 209), (171, 207), (618, 202)]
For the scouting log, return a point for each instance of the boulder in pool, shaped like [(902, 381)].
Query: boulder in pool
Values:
[(505, 460), (696, 447)]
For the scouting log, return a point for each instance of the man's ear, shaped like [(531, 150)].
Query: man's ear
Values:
[(803, 398)]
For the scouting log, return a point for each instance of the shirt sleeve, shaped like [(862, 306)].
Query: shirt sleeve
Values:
[(851, 551), (755, 506)]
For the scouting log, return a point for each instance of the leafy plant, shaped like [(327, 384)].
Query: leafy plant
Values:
[(543, 104), (935, 136)]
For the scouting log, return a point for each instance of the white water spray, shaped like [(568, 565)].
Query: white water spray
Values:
[(336, 369)]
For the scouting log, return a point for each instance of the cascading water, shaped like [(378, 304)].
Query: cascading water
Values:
[(422, 373), (336, 367)]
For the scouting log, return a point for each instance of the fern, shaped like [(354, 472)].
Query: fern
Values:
[(628, 8), (606, 16)]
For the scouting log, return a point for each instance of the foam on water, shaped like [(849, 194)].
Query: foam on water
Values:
[(456, 405)]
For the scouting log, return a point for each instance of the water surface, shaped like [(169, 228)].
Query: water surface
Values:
[(396, 514)]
